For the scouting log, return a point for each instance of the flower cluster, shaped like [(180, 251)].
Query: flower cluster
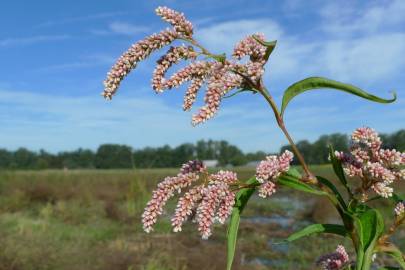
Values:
[(268, 170), (399, 209), (208, 201), (218, 75), (166, 61), (177, 20), (377, 168), (334, 261)]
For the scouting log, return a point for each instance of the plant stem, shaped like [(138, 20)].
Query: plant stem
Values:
[(309, 176)]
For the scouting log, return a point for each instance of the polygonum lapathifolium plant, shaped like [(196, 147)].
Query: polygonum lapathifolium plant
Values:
[(207, 198)]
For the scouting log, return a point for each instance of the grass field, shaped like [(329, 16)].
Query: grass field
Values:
[(91, 220)]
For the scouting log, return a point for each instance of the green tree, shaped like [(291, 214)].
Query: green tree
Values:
[(111, 156)]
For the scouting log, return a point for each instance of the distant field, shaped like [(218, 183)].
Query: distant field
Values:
[(89, 219)]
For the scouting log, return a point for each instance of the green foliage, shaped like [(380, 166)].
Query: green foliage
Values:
[(321, 83), (295, 183), (369, 226), (242, 197), (334, 190), (110, 156), (318, 228)]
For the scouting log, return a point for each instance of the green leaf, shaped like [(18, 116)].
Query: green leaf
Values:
[(294, 173), (337, 166), (372, 226), (332, 187), (319, 83), (295, 183), (394, 252), (238, 92), (318, 228), (242, 197), (389, 268), (269, 44), (369, 226)]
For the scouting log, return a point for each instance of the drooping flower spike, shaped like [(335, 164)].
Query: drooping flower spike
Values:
[(219, 76), (210, 199), (136, 53)]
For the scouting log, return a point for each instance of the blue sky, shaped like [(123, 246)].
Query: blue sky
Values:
[(55, 54)]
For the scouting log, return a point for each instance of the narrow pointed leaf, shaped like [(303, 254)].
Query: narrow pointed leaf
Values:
[(337, 166), (294, 173), (332, 187), (321, 83), (294, 183), (242, 197), (318, 228), (269, 44)]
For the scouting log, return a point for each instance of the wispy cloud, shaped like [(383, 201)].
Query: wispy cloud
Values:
[(19, 41), (87, 61), (80, 19), (341, 18), (121, 28), (57, 122)]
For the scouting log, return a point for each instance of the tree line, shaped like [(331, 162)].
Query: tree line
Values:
[(114, 156)]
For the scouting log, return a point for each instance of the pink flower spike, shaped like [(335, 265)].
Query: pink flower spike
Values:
[(176, 19), (129, 60), (273, 166), (185, 207), (206, 210), (225, 206), (226, 177), (367, 136), (334, 261), (250, 47), (193, 166), (267, 189), (166, 61), (399, 209), (165, 190), (191, 93)]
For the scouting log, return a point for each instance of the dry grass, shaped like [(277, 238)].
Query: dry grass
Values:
[(91, 220)]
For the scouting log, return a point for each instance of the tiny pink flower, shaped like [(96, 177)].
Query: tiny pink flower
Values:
[(197, 69), (166, 61), (176, 19), (267, 189), (219, 84), (191, 93), (206, 210), (165, 190), (367, 136), (334, 261), (399, 209), (225, 206), (227, 177), (250, 47), (273, 166), (185, 207), (136, 53), (193, 166)]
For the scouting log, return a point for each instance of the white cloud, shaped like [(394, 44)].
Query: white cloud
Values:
[(343, 18), (127, 28), (366, 59), (31, 40), (223, 36)]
